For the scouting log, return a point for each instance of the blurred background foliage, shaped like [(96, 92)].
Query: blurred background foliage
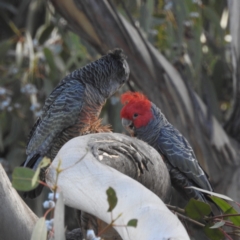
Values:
[(37, 49)]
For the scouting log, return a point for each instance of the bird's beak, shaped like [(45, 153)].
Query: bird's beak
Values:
[(128, 125)]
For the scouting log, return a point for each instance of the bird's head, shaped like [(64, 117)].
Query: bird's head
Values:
[(110, 72), (136, 112)]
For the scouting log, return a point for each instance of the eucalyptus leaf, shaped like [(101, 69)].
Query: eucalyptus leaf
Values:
[(213, 234), (197, 210), (23, 179), (35, 177), (132, 223), (45, 162), (40, 230), (218, 224), (227, 209), (111, 198), (59, 230)]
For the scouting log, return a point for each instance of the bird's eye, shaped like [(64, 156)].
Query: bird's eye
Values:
[(135, 115)]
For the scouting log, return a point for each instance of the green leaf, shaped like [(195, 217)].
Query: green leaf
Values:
[(35, 177), (196, 209), (59, 230), (111, 198), (23, 179), (213, 234), (221, 203), (218, 224), (40, 230), (227, 209), (132, 223), (45, 162)]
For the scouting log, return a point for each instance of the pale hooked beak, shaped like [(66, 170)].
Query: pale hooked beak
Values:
[(128, 125)]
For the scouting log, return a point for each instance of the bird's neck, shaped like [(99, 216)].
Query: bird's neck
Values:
[(89, 121), (151, 131), (94, 98)]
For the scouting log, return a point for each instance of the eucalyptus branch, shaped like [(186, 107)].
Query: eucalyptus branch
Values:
[(189, 219), (232, 225), (223, 216), (111, 224), (225, 234), (175, 208), (235, 233)]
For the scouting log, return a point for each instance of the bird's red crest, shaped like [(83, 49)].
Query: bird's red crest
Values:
[(133, 97), (135, 102)]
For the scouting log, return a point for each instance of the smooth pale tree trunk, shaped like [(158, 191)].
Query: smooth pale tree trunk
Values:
[(17, 220), (83, 180), (87, 180)]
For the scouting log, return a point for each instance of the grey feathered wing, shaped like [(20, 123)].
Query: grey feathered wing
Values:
[(178, 152), (61, 110)]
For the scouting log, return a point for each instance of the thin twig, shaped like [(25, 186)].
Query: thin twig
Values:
[(222, 216), (232, 225), (235, 233), (175, 208), (111, 224), (220, 219), (238, 204), (43, 183), (189, 219), (225, 234), (48, 211)]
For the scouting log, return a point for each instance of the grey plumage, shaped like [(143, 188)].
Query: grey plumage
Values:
[(73, 106), (178, 154)]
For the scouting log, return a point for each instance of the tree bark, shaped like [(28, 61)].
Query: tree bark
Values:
[(17, 220), (84, 180), (99, 23), (232, 126), (108, 152)]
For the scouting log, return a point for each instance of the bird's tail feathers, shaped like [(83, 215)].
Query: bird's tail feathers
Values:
[(34, 193), (33, 162)]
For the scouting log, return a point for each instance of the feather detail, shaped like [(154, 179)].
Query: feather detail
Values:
[(134, 97), (73, 107), (152, 127), (97, 127), (136, 104)]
